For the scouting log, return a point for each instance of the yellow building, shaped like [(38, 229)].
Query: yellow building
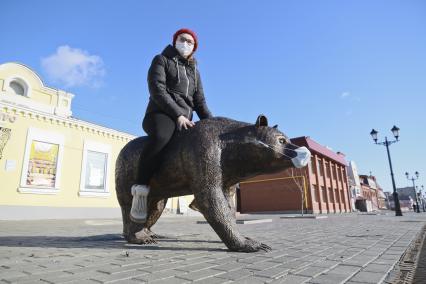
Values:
[(52, 165)]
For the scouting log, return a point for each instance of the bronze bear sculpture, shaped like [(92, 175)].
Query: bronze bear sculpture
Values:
[(207, 161)]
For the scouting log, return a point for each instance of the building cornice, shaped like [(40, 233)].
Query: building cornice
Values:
[(81, 125)]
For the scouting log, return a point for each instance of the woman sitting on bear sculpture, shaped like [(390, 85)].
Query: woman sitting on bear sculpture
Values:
[(175, 91)]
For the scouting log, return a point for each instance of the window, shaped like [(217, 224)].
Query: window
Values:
[(327, 169), (42, 162), (324, 194), (312, 165), (18, 87), (333, 172), (95, 170), (314, 193), (331, 194), (320, 169)]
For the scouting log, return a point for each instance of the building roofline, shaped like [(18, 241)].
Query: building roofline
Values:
[(320, 149), (26, 67), (36, 75)]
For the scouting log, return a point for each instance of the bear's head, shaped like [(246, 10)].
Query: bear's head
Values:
[(260, 149)]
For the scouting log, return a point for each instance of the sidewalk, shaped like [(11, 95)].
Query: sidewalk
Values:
[(349, 248)]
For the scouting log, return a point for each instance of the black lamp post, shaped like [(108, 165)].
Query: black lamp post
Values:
[(414, 187), (395, 132), (420, 195)]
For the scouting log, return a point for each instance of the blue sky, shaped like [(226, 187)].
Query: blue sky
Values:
[(331, 70)]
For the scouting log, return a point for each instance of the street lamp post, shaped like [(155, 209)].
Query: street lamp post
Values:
[(395, 132), (414, 187), (422, 200)]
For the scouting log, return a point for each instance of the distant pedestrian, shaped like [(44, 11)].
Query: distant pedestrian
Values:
[(175, 91)]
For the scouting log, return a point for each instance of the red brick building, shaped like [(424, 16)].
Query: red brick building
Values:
[(323, 185)]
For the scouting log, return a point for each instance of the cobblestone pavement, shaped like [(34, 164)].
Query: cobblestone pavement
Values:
[(348, 248), (420, 273)]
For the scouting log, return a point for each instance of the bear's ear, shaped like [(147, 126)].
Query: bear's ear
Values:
[(275, 126), (261, 121)]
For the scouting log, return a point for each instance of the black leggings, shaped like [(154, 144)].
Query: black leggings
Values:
[(160, 128)]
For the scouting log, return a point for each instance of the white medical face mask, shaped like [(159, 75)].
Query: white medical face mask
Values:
[(184, 48), (302, 158)]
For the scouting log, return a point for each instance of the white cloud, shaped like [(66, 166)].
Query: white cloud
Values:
[(349, 97), (74, 67), (345, 95), (349, 101)]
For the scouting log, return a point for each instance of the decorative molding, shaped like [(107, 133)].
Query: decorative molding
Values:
[(5, 117), (63, 106), (94, 194), (4, 137), (38, 190), (25, 102), (81, 125)]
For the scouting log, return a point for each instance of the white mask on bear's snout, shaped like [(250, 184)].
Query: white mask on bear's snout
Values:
[(302, 158)]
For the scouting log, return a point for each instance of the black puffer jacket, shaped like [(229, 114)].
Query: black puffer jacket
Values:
[(175, 86)]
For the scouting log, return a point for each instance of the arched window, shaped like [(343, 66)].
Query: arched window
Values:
[(19, 87)]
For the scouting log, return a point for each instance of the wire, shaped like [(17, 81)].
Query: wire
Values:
[(301, 188)]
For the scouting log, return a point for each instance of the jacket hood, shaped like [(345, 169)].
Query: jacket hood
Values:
[(171, 52)]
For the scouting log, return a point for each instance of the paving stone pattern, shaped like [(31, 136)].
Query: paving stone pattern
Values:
[(347, 248)]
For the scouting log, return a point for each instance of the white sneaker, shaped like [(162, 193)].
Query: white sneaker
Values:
[(138, 213)]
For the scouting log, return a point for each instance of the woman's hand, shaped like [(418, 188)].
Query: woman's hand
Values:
[(182, 121)]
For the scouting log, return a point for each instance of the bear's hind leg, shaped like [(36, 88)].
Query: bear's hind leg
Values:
[(129, 227), (155, 209)]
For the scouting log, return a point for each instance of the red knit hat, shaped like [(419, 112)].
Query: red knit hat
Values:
[(186, 31)]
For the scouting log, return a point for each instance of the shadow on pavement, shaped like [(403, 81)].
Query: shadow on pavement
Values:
[(98, 241)]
